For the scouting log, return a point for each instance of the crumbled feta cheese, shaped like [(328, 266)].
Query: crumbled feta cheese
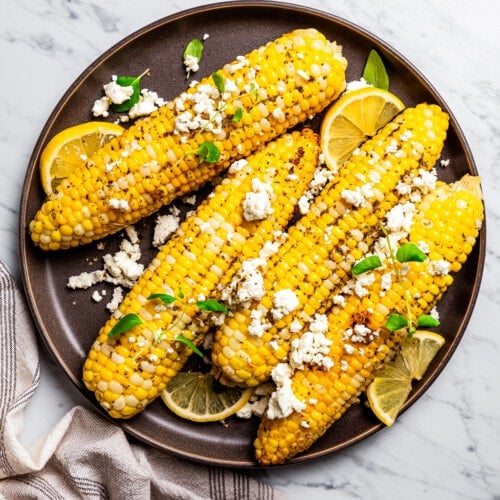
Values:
[(257, 404), (257, 325), (312, 347), (247, 284), (117, 93), (119, 204), (283, 401), (434, 313), (269, 248), (191, 63), (257, 203), (356, 84), (295, 326), (96, 296), (439, 267), (400, 217), (426, 180), (284, 302), (348, 348), (238, 166), (122, 268), (339, 300), (116, 299), (354, 197), (149, 101), (322, 176), (444, 163), (101, 107), (165, 225)]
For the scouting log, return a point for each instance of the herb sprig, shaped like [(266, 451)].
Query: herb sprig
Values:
[(132, 320), (408, 252), (374, 71), (135, 83)]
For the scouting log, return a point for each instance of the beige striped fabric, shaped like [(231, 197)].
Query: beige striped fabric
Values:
[(85, 456)]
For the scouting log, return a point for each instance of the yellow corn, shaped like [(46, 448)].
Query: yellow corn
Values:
[(321, 248), (446, 223), (128, 372), (276, 86)]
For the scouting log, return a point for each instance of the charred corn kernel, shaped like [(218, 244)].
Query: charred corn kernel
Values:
[(327, 394), (149, 351), (316, 259), (155, 160)]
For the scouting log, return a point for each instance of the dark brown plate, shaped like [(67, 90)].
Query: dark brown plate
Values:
[(69, 320)]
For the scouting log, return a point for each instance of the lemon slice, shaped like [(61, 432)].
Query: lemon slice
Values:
[(391, 386), (357, 115), (199, 397), (69, 148)]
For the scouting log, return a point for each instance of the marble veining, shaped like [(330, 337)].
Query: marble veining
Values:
[(446, 446)]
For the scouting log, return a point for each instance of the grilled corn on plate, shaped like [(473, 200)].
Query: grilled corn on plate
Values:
[(128, 372), (445, 224), (314, 261), (158, 158)]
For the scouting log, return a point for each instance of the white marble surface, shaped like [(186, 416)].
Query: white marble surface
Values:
[(447, 445)]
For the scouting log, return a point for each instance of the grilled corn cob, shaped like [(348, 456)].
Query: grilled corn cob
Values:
[(446, 223), (128, 372), (313, 263), (156, 160)]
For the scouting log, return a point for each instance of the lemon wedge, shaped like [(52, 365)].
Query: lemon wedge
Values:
[(70, 148), (391, 386), (199, 397), (354, 117)]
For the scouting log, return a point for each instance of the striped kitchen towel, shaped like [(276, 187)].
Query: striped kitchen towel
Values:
[(85, 456)]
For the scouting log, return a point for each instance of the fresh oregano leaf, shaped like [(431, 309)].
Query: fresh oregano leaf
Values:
[(396, 322), (164, 297), (219, 82), (410, 253), (374, 71), (125, 324), (238, 115), (427, 321), (190, 344), (194, 48), (367, 264), (211, 305), (135, 83), (208, 152)]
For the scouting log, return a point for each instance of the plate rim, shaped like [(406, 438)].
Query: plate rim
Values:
[(23, 241)]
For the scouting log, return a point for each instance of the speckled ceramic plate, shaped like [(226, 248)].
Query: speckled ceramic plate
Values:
[(69, 320)]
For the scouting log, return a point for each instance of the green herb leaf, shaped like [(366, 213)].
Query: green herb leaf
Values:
[(194, 48), (164, 297), (208, 152), (219, 82), (135, 83), (211, 305), (374, 72), (410, 253), (186, 341), (180, 294), (427, 321), (125, 324), (238, 115), (367, 264), (396, 322)]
